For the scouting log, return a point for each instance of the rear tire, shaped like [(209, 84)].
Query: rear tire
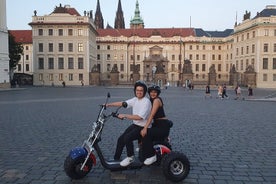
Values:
[(72, 167), (175, 166)]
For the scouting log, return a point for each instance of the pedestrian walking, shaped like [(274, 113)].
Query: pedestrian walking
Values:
[(220, 91), (250, 91), (238, 93), (224, 92), (207, 91)]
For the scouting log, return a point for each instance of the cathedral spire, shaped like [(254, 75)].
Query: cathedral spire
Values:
[(137, 21), (119, 20), (99, 22)]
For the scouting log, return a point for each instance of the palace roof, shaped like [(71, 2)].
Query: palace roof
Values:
[(269, 11), (22, 36), (147, 32)]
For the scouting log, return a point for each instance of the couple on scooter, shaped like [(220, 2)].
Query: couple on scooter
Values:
[(144, 111)]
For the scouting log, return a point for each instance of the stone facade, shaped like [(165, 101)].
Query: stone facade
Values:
[(63, 47), (250, 43)]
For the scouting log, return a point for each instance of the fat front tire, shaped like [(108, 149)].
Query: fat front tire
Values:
[(175, 166), (72, 167)]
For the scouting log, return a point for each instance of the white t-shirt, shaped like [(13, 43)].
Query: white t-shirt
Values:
[(140, 107)]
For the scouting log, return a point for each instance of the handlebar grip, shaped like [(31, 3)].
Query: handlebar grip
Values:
[(115, 114)]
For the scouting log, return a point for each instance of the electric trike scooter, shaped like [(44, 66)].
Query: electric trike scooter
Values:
[(79, 162)]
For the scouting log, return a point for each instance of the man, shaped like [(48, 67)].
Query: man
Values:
[(141, 107)]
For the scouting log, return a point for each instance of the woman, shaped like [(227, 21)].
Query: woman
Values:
[(160, 126)]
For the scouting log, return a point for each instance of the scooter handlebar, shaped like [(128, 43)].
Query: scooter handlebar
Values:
[(116, 115)]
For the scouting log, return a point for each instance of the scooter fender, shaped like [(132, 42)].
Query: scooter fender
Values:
[(81, 152), (161, 149)]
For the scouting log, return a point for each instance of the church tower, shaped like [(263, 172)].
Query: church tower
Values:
[(99, 22), (137, 22), (119, 20)]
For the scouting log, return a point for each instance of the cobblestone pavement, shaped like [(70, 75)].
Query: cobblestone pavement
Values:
[(227, 141)]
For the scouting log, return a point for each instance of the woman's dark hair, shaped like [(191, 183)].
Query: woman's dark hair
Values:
[(156, 88)]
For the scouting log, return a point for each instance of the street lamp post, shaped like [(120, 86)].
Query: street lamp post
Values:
[(127, 61), (23, 67), (153, 73)]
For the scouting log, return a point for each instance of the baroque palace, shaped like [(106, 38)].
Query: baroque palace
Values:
[(65, 46)]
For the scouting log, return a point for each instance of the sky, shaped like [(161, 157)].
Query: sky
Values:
[(211, 15)]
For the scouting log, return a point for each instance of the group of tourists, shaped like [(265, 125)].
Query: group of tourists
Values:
[(222, 92)]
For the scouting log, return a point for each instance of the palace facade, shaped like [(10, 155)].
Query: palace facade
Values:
[(73, 48)]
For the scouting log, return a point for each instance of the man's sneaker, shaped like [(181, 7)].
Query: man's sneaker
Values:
[(150, 160), (127, 161)]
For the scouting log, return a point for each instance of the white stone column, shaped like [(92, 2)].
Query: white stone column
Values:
[(4, 47), (3, 16)]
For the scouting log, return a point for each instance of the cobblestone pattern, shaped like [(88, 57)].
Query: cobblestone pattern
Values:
[(227, 141)]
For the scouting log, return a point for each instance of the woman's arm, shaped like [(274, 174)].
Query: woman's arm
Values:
[(156, 104)]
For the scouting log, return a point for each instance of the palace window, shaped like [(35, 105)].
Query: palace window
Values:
[(197, 67), (80, 76), (264, 77), (41, 63), (203, 67), (80, 47), (60, 47), (51, 47), (219, 67), (80, 63), (265, 63), (70, 32), (40, 32), (50, 32), (70, 47), (173, 57), (274, 77), (60, 32), (266, 47), (266, 32), (40, 77), (121, 67), (274, 64), (70, 63), (71, 77), (60, 63), (40, 47), (60, 77), (51, 77), (50, 63), (80, 32)]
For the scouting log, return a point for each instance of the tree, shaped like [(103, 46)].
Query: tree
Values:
[(15, 52)]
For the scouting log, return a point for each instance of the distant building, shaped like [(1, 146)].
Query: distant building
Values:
[(4, 47), (25, 64), (64, 47), (254, 46)]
